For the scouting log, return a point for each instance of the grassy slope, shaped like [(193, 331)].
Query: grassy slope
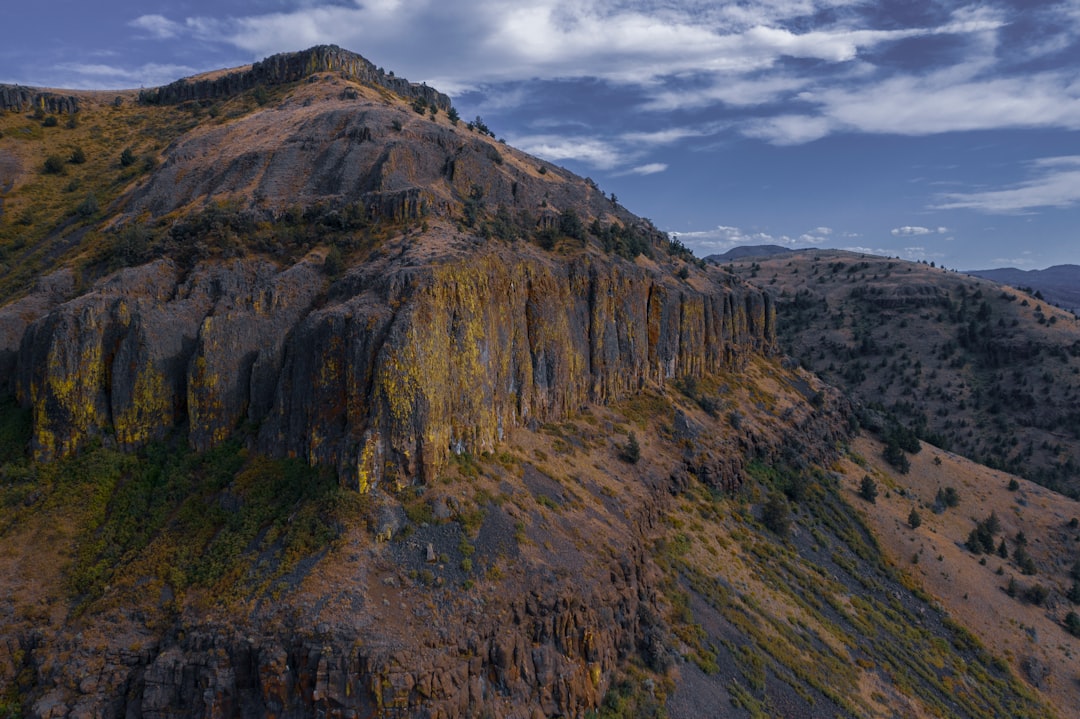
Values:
[(45, 220)]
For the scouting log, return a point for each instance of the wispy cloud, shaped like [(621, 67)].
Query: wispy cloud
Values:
[(149, 74), (591, 150), (157, 26), (909, 231), (651, 168), (1056, 183)]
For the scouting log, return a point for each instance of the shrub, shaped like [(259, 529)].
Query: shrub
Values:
[(51, 121), (981, 539), (77, 157), (127, 157), (868, 489), (1072, 623), (914, 520), (1013, 485), (87, 207), (334, 262), (1037, 594), (775, 515), (54, 165), (895, 456)]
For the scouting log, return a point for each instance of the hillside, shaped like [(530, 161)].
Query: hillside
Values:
[(317, 400), (1019, 609), (1059, 285), (971, 366)]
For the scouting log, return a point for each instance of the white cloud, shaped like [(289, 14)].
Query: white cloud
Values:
[(789, 129), (1056, 184), (909, 231), (502, 40), (728, 89), (556, 148), (150, 74), (158, 26), (650, 169), (668, 136), (936, 103)]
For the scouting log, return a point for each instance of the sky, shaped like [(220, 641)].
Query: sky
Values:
[(935, 130)]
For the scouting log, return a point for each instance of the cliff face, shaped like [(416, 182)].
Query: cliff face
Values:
[(395, 369), (292, 67), (17, 98)]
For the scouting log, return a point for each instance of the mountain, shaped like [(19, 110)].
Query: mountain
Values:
[(744, 251), (1059, 285), (317, 400)]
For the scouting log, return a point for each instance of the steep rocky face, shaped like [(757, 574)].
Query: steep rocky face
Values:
[(285, 68), (17, 98), (397, 368)]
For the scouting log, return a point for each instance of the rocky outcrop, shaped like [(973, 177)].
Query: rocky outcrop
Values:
[(18, 98), (292, 67), (396, 369)]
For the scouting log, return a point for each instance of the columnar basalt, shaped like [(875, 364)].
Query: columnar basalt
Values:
[(392, 373)]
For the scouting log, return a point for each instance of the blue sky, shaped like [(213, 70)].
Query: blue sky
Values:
[(936, 130)]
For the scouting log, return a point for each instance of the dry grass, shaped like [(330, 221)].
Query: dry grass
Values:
[(972, 592)]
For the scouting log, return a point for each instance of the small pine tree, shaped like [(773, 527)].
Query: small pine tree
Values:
[(868, 489), (632, 450), (914, 520), (127, 157)]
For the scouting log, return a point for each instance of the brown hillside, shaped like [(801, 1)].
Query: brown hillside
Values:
[(972, 366), (973, 587)]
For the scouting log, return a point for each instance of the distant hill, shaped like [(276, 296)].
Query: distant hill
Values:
[(741, 253), (970, 365), (1059, 285)]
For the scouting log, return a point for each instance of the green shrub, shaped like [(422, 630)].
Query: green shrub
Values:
[(54, 165)]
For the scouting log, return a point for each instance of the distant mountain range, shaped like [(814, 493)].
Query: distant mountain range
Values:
[(1060, 284)]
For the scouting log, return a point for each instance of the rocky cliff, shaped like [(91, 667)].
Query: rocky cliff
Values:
[(390, 369), (292, 67), (18, 98)]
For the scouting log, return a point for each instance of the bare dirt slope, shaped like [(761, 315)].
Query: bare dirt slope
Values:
[(933, 556)]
